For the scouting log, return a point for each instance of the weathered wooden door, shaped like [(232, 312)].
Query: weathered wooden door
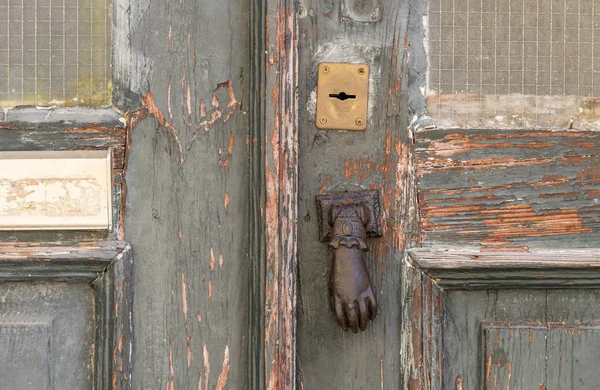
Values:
[(481, 141)]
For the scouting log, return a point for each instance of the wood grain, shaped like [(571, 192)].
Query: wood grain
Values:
[(114, 292), (189, 153), (47, 335), (379, 158), (87, 136), (468, 270), (516, 189), (521, 339), (281, 204)]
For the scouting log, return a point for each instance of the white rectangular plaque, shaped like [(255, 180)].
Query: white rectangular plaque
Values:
[(56, 190)]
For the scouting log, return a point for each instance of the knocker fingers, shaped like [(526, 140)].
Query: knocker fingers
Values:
[(352, 316), (339, 313), (363, 312), (372, 303)]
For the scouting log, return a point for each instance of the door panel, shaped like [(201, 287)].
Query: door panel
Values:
[(219, 165), (480, 323), (188, 195), (514, 215), (521, 339), (46, 336), (65, 316), (510, 190), (378, 158), (524, 358)]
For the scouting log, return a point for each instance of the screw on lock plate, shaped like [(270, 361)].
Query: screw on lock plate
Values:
[(342, 96)]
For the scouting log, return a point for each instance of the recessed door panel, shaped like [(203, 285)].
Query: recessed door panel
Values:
[(46, 336), (520, 339)]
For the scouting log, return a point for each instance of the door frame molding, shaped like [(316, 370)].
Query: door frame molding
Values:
[(107, 267), (473, 270), (274, 195)]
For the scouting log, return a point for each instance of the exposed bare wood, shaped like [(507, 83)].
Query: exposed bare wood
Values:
[(281, 175), (503, 189), (522, 322)]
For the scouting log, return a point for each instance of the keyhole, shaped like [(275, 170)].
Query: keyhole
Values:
[(342, 96)]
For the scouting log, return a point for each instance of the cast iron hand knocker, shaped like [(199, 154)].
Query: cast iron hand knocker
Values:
[(351, 217)]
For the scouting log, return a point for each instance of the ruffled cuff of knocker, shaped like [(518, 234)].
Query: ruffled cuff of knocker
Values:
[(349, 242)]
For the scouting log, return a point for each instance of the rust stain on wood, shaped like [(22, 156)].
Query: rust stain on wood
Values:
[(184, 305), (218, 112), (522, 220), (189, 102), (416, 338), (171, 383), (189, 352), (169, 110), (322, 189), (132, 118), (459, 383), (456, 144), (150, 106), (184, 296), (403, 193), (224, 157), (398, 189)]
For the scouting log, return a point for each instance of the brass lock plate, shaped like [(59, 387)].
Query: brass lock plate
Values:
[(342, 96)]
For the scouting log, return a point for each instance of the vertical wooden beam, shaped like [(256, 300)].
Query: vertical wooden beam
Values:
[(379, 158), (281, 177), (256, 242), (188, 198)]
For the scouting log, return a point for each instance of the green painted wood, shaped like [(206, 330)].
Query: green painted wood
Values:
[(501, 189), (113, 294), (522, 339), (66, 315), (216, 164), (187, 213), (46, 335), (80, 262), (474, 270), (378, 158), (63, 136)]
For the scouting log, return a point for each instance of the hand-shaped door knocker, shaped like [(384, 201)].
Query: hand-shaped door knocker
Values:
[(346, 219)]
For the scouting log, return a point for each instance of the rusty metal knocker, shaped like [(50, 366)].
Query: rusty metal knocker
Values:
[(351, 217)]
